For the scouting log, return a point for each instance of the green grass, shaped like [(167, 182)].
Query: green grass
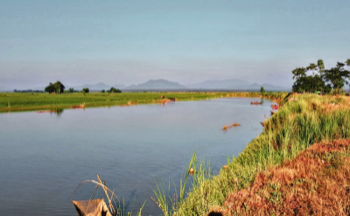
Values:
[(299, 124), (36, 101)]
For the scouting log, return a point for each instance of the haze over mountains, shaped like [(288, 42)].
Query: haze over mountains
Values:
[(235, 84), (162, 84), (158, 84)]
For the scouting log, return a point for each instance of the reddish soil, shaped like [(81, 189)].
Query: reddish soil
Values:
[(316, 182)]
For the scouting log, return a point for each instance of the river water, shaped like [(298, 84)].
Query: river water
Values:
[(44, 156)]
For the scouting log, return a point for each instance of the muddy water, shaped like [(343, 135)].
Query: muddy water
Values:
[(44, 156)]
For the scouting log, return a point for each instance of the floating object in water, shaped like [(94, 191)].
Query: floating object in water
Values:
[(81, 106), (97, 207), (234, 125), (191, 171), (255, 103), (225, 167)]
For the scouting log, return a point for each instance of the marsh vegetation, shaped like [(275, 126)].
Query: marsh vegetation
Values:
[(303, 121)]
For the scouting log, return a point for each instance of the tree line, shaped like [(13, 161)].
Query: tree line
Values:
[(321, 79), (58, 88)]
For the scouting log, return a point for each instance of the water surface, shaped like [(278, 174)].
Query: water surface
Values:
[(43, 157)]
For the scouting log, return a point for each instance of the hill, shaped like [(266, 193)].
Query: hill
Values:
[(159, 84), (235, 84)]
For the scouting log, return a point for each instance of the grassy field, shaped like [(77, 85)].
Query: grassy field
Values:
[(40, 101), (303, 121)]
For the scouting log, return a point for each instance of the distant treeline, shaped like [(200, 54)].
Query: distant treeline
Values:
[(321, 80), (27, 91)]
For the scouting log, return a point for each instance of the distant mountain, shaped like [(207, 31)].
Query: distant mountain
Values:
[(158, 84), (221, 84), (235, 84), (269, 87), (98, 86)]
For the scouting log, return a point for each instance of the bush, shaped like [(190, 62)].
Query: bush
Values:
[(85, 90), (262, 90), (114, 90), (57, 87)]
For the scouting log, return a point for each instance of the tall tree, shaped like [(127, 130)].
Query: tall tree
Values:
[(305, 83), (299, 72), (57, 87), (320, 65), (114, 90), (262, 90), (337, 76), (347, 62), (50, 88), (312, 67), (86, 90)]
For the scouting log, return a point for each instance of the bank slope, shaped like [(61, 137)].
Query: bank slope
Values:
[(302, 121)]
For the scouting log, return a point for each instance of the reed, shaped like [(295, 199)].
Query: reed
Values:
[(291, 130)]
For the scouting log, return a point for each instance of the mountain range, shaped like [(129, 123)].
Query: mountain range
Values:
[(162, 84), (235, 84), (232, 84), (158, 84)]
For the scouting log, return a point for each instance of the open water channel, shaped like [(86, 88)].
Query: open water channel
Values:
[(44, 156)]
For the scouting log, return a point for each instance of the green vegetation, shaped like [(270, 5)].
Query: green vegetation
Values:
[(302, 121), (85, 90), (262, 90), (57, 87), (114, 90), (321, 79), (36, 101)]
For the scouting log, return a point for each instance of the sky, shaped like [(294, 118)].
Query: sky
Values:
[(186, 41)]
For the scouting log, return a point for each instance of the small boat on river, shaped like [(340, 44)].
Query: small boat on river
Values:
[(97, 206)]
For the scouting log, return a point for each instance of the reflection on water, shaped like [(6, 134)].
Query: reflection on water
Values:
[(57, 111), (44, 158)]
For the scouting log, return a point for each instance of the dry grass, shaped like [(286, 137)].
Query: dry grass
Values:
[(316, 182)]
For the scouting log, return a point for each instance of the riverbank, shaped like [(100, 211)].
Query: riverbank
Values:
[(303, 121), (316, 182), (11, 102)]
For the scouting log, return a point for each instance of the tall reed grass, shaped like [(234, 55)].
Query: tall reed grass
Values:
[(302, 121)]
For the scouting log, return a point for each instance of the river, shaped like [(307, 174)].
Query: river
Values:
[(44, 156)]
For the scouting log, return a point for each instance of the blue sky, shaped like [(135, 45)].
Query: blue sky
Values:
[(187, 41)]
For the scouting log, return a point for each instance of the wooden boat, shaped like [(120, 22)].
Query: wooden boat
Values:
[(97, 207), (255, 103)]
